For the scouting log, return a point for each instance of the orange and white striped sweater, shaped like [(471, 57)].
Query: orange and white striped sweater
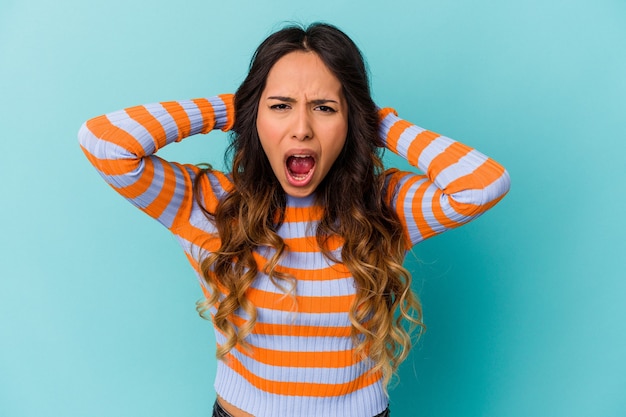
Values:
[(299, 364)]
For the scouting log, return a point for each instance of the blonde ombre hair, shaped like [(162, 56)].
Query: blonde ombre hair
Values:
[(355, 203)]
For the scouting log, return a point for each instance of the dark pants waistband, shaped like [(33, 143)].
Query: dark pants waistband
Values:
[(218, 411)]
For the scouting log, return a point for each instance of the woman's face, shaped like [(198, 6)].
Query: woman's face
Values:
[(302, 121)]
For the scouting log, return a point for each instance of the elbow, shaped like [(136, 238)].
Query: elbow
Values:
[(504, 183), (85, 137), (472, 202)]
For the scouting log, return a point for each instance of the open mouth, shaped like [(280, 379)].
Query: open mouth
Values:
[(300, 169)]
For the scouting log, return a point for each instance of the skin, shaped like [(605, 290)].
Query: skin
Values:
[(302, 111)]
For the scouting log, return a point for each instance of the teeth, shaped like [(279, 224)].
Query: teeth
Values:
[(301, 156)]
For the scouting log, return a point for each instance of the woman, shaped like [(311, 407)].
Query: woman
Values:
[(299, 249)]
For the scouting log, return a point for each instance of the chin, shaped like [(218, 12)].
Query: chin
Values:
[(298, 192)]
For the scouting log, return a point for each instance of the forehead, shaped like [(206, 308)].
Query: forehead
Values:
[(302, 73)]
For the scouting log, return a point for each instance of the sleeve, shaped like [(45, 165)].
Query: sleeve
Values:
[(459, 183), (122, 146)]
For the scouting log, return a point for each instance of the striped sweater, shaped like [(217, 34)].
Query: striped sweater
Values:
[(299, 364)]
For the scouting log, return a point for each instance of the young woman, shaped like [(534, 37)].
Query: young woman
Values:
[(299, 248)]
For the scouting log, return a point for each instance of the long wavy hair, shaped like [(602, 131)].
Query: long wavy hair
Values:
[(355, 205)]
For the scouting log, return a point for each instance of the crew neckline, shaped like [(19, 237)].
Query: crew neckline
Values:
[(307, 201)]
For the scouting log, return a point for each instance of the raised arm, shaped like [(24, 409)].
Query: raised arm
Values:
[(459, 184), (121, 146)]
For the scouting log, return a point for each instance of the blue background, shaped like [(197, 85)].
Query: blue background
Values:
[(525, 307)]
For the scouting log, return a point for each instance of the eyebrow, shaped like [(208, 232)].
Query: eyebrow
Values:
[(293, 100)]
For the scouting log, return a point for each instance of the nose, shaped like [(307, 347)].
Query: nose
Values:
[(302, 128)]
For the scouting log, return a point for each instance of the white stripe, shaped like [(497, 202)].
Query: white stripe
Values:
[(318, 288), (167, 217), (497, 188), (167, 121), (464, 166), (450, 212), (291, 230), (406, 138), (103, 149), (219, 111), (427, 209), (123, 121), (432, 150), (298, 318), (299, 343), (200, 221), (304, 202), (407, 206), (301, 260), (195, 116), (386, 124), (124, 180), (231, 386), (152, 192), (216, 185), (302, 375)]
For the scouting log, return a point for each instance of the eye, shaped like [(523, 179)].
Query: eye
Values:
[(326, 109), (279, 106)]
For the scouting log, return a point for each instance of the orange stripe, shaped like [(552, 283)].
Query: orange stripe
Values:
[(393, 190), (309, 243), (466, 182), (160, 203), (473, 209), (302, 244), (103, 129), (394, 134), (299, 359), (207, 112), (198, 237), (184, 210), (417, 146), (180, 117), (333, 359), (418, 211), (384, 112), (313, 213), (439, 213), (142, 184), (309, 389), (483, 176), (486, 174), (402, 192), (142, 116), (337, 271), (489, 205), (209, 200), (225, 182), (112, 166), (450, 156), (228, 100), (305, 304), (295, 330)]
